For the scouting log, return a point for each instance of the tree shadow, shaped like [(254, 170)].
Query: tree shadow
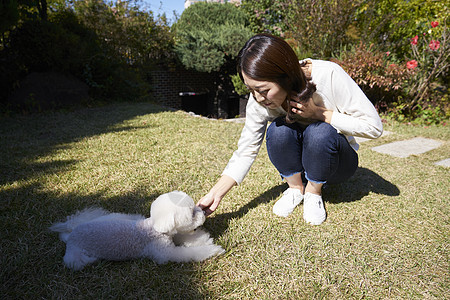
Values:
[(31, 254), (363, 182), (24, 138)]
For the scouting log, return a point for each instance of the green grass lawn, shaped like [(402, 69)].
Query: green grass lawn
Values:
[(386, 236)]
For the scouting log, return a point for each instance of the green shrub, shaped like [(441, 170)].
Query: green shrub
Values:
[(110, 46), (239, 86), (210, 35), (64, 44), (39, 46), (429, 66), (61, 45)]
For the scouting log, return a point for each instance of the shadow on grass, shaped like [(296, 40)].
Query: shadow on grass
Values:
[(25, 138), (32, 256), (218, 224), (363, 182)]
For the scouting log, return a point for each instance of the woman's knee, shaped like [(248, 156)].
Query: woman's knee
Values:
[(320, 133), (279, 133)]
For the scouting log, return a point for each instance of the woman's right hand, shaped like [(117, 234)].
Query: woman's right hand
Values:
[(211, 201)]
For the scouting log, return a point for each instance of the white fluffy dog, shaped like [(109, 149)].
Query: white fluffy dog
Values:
[(168, 235)]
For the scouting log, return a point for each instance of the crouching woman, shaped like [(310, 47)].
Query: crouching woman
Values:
[(315, 110)]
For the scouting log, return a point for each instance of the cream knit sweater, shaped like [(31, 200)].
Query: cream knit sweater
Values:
[(353, 115)]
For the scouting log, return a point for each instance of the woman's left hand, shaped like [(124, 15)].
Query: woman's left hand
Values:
[(306, 109), (309, 110)]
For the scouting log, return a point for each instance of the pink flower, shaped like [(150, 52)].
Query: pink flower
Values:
[(414, 40), (434, 45), (434, 24), (388, 53), (412, 64)]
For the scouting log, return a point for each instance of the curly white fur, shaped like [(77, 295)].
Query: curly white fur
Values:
[(168, 235)]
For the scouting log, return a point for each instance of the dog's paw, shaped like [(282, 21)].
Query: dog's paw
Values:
[(192, 239), (214, 250), (76, 259)]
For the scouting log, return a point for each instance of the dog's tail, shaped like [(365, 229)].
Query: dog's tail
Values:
[(84, 216)]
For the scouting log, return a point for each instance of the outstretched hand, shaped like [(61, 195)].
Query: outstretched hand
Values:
[(209, 203)]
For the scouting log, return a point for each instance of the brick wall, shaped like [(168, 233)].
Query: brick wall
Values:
[(169, 82)]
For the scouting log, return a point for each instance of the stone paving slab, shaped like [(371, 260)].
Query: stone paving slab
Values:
[(443, 163), (406, 148), (235, 120)]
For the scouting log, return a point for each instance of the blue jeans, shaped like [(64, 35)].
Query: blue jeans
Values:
[(318, 151)]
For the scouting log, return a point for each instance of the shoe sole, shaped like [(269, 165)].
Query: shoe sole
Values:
[(316, 221)]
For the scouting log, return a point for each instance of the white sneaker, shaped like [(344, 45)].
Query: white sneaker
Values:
[(285, 206), (313, 209)]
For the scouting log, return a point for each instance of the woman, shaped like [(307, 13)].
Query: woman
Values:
[(315, 109)]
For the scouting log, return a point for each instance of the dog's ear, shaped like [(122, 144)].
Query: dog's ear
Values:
[(171, 211), (162, 213)]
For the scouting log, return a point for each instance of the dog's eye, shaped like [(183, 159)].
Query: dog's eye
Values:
[(197, 210)]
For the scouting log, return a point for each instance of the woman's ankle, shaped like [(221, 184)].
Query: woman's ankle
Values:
[(314, 188), (295, 182)]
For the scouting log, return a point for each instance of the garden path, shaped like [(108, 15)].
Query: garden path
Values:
[(405, 148)]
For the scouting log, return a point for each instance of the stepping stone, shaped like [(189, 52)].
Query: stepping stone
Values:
[(406, 148), (360, 140), (235, 120), (443, 163)]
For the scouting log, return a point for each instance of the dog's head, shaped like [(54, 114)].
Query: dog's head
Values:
[(175, 212)]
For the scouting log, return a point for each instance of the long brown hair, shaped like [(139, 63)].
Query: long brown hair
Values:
[(269, 58)]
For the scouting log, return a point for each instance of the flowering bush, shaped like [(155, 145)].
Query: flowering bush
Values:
[(412, 64), (379, 77), (429, 70)]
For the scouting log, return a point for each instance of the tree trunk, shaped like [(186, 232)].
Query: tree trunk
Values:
[(42, 8)]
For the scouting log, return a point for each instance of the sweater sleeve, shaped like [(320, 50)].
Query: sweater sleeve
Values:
[(249, 143), (355, 115)]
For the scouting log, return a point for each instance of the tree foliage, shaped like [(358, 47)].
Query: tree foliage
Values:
[(110, 46), (391, 23), (267, 16), (135, 35), (314, 28), (320, 28), (208, 35), (415, 35), (9, 14)]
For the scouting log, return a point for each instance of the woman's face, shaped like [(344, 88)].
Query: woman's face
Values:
[(267, 93)]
